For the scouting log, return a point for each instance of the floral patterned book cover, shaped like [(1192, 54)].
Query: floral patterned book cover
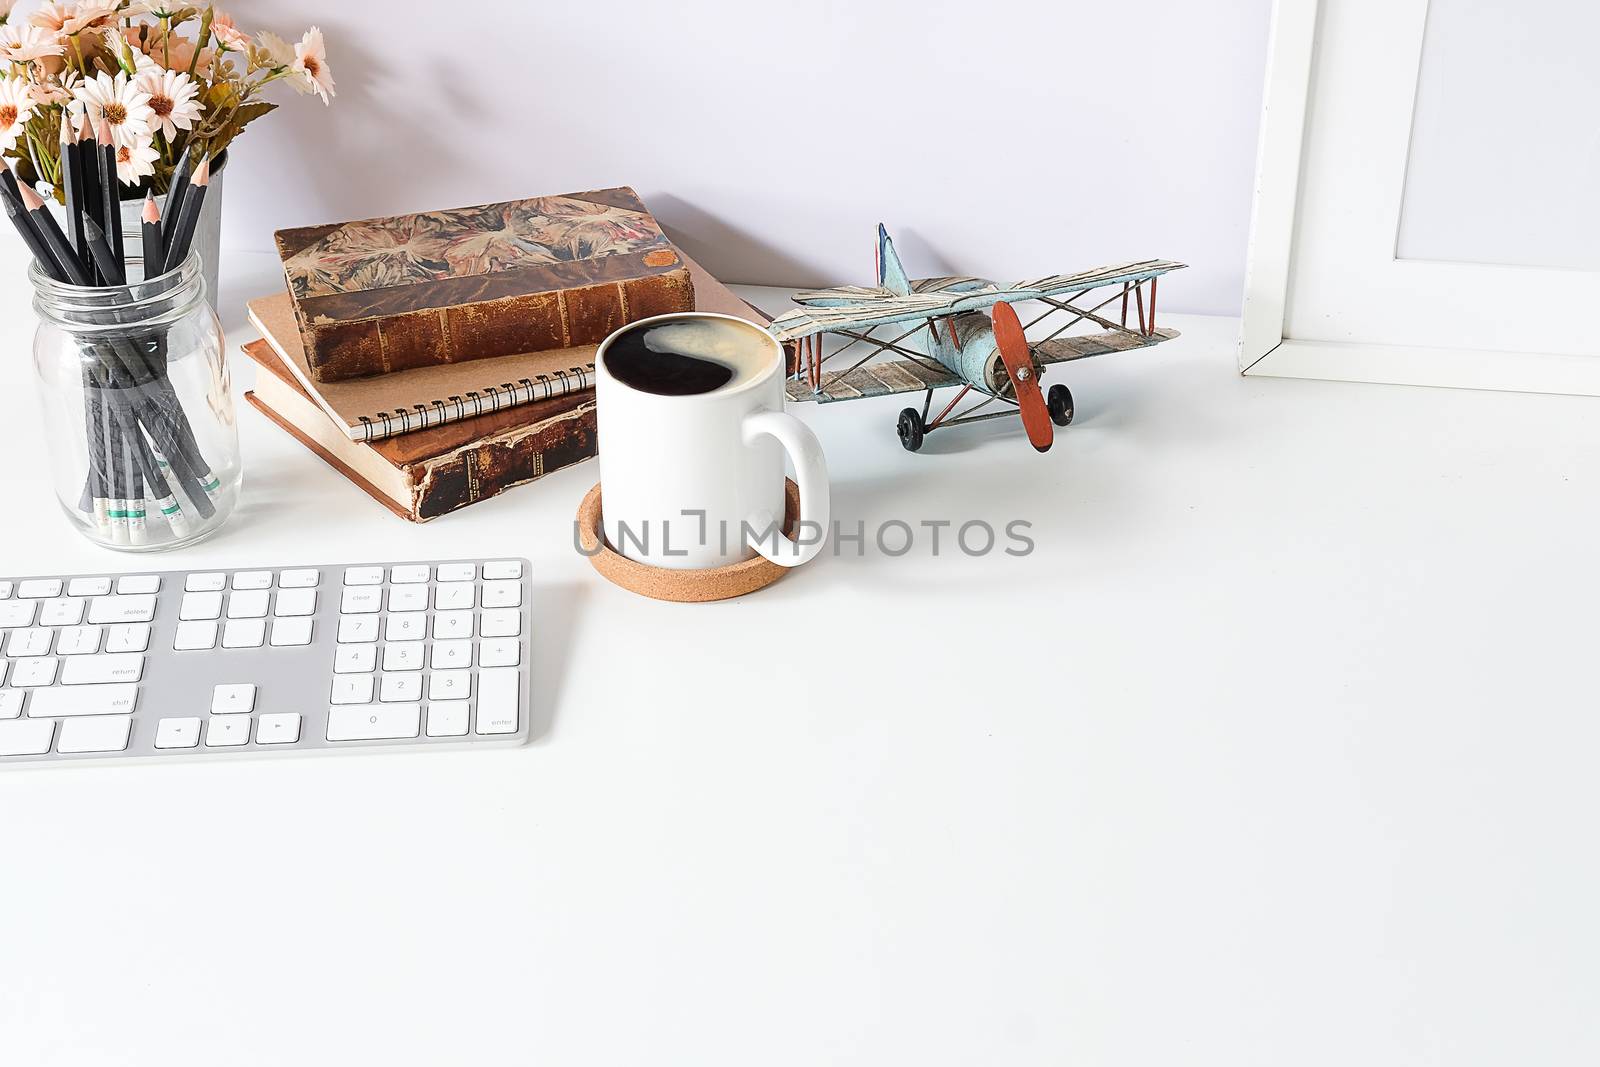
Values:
[(383, 295)]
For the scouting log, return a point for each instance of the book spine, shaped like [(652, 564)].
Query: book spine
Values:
[(448, 409), (488, 468), (536, 322)]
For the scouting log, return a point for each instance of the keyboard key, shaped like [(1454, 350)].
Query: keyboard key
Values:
[(233, 698), (139, 583), (26, 737), (129, 637), (449, 624), (108, 733), (28, 643), (406, 626), (502, 594), (227, 731), (500, 652), (178, 733), (299, 579), (11, 703), (363, 576), (405, 687), (356, 629), (295, 602), (91, 670), (373, 722), (449, 685), (409, 575), (290, 632), (351, 689), (402, 656), (282, 728), (253, 580), (206, 605), (139, 607), (408, 598), (194, 636), (457, 572), (17, 613), (447, 654), (62, 701), (89, 587), (447, 720), (498, 688), (210, 582), (367, 600), (79, 641), (248, 604), (244, 633), (500, 622), (355, 659), (504, 568), (5, 590), (39, 588), (65, 611), (448, 596), (34, 671)]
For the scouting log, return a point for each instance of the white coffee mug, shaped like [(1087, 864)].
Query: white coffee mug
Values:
[(697, 481)]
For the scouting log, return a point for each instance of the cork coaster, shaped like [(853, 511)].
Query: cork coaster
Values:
[(682, 586)]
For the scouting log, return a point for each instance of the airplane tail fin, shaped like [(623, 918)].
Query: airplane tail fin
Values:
[(891, 275)]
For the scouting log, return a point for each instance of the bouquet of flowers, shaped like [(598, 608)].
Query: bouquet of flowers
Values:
[(172, 82)]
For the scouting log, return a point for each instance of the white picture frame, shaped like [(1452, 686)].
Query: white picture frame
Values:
[(1326, 295)]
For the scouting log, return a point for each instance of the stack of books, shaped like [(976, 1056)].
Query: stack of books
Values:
[(446, 375)]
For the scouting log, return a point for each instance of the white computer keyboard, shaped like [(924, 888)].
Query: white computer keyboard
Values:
[(188, 663)]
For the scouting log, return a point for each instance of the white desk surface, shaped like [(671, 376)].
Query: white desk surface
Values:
[(1278, 749)]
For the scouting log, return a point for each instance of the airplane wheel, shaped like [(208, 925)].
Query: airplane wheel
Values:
[(1059, 401), (910, 429)]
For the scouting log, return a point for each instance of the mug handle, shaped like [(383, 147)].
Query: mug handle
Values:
[(810, 474)]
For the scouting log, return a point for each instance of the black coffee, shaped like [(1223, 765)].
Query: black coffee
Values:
[(689, 356)]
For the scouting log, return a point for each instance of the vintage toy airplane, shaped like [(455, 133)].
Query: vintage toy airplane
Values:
[(963, 345)]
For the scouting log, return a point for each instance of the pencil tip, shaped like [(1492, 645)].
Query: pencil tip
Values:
[(92, 228), (202, 173), (69, 136), (30, 199), (103, 131), (152, 210), (86, 128)]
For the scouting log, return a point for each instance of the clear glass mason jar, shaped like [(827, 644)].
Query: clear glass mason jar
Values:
[(137, 409)]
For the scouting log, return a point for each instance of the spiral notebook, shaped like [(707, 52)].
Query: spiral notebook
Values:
[(370, 409)]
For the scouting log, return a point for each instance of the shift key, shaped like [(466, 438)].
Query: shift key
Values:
[(73, 700)]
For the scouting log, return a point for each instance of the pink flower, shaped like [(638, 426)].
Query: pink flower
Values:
[(311, 65), (231, 37), (90, 15)]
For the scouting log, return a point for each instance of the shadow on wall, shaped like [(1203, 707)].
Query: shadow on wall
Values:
[(736, 255)]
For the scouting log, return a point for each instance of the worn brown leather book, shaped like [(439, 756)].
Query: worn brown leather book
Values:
[(392, 294), (431, 472)]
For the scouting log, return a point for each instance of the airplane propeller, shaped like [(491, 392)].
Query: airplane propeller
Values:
[(1013, 345)]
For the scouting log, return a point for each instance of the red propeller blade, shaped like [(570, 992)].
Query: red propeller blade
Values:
[(1013, 345)]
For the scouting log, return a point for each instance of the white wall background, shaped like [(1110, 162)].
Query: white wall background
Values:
[(1009, 138)]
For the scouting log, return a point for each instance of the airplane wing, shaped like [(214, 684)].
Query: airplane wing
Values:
[(877, 307), (1062, 349), (873, 379)]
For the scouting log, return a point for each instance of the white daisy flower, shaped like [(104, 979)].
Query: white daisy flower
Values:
[(311, 64), (172, 100), (16, 108), (21, 42), (135, 162), (123, 105)]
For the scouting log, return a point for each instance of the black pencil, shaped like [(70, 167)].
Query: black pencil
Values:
[(175, 194), (155, 256), (54, 240), (100, 249), (88, 178), (72, 186), (183, 236), (30, 237), (111, 193)]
